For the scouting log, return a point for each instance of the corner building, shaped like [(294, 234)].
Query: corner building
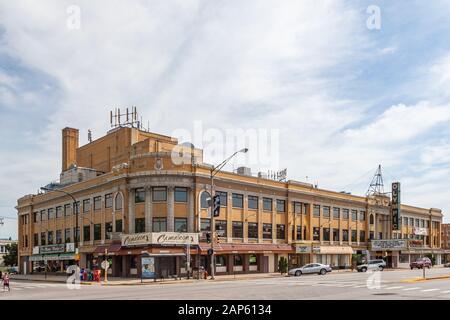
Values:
[(134, 197)]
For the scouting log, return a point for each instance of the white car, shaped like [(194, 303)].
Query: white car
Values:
[(372, 265), (316, 268)]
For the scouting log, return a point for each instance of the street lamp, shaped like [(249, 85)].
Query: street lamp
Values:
[(75, 207), (214, 171)]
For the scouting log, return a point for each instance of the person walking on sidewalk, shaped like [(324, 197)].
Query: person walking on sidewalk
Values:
[(6, 282)]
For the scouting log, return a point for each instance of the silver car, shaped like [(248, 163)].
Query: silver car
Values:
[(316, 268)]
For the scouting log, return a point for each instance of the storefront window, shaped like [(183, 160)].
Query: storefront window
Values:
[(316, 234), (205, 225), (139, 225), (221, 228), (87, 233), (204, 200), (97, 203), (252, 202), (281, 231), (252, 260), (118, 202), (181, 194), (139, 195), (108, 200), (119, 225), (221, 261), (238, 200), (180, 225), (108, 230), (252, 230), (159, 225), (267, 204), (238, 261), (237, 229), (404, 258), (267, 231), (326, 234)]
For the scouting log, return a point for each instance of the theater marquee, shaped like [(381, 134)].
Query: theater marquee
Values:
[(160, 238), (396, 221)]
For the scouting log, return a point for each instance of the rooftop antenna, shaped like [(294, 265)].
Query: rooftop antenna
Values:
[(89, 135), (376, 187)]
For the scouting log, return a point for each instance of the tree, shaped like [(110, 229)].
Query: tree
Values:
[(10, 259), (282, 265)]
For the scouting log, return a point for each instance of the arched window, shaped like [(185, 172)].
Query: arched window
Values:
[(118, 202), (371, 219), (204, 200)]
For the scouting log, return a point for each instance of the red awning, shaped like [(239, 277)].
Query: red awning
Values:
[(246, 247), (111, 248)]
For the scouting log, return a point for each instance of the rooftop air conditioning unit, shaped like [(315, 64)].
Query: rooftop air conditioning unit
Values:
[(244, 171)]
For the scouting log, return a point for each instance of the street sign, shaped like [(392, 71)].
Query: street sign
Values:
[(105, 264)]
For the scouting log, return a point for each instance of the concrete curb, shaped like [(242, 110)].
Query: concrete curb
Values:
[(426, 279)]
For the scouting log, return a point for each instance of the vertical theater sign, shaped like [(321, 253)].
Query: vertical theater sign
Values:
[(396, 221)]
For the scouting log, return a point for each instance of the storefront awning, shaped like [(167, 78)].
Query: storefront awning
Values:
[(52, 257), (335, 250), (246, 248), (111, 248)]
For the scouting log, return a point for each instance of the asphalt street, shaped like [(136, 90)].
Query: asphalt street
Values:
[(347, 286)]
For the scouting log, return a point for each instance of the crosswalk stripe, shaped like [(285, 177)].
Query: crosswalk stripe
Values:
[(429, 290), (393, 288), (448, 291), (409, 289), (361, 286)]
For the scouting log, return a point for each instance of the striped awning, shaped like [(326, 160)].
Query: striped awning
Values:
[(247, 247)]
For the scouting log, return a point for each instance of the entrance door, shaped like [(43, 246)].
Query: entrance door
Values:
[(265, 264)]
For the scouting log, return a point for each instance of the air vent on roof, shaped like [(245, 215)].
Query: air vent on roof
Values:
[(244, 171)]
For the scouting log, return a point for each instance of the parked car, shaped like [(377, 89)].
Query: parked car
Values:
[(310, 268), (372, 265), (13, 270), (421, 263), (447, 265)]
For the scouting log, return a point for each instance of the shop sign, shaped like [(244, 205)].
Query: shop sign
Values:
[(36, 250), (161, 238), (393, 244), (70, 247), (396, 221), (54, 248), (148, 267), (316, 249), (415, 243), (303, 249), (420, 231)]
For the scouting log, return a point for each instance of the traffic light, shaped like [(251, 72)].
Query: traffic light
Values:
[(216, 205), (208, 237)]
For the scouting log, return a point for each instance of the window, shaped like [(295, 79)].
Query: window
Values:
[(139, 225), (326, 212), (345, 235), (76, 232), (267, 231), (316, 212), (139, 195), (252, 230), (299, 232), (221, 228), (108, 200), (237, 229), (119, 225), (59, 235), (267, 205), (362, 236), (87, 233), (354, 215), (371, 235), (50, 237), (67, 209), (405, 221), (205, 225), (281, 206), (427, 224), (326, 234), (59, 212), (86, 205), (238, 200), (422, 223), (159, 224), (380, 235), (180, 225), (316, 234), (298, 206), (238, 261), (35, 216), (159, 194), (336, 213), (51, 213), (97, 203), (181, 194), (411, 222), (223, 198), (35, 239), (204, 200), (67, 235), (417, 222), (345, 214), (221, 261), (118, 202), (108, 230), (362, 216), (281, 234), (253, 202), (97, 231), (371, 220), (76, 207), (336, 235), (43, 238), (252, 260), (43, 215), (354, 235)]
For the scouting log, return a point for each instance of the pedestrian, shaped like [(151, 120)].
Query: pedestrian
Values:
[(6, 282)]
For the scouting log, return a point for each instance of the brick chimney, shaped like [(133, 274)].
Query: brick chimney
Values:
[(69, 147)]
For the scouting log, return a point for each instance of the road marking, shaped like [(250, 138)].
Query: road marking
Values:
[(409, 289), (361, 286), (392, 288), (429, 290), (448, 291)]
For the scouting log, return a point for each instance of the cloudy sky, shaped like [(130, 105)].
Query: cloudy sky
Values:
[(341, 97)]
